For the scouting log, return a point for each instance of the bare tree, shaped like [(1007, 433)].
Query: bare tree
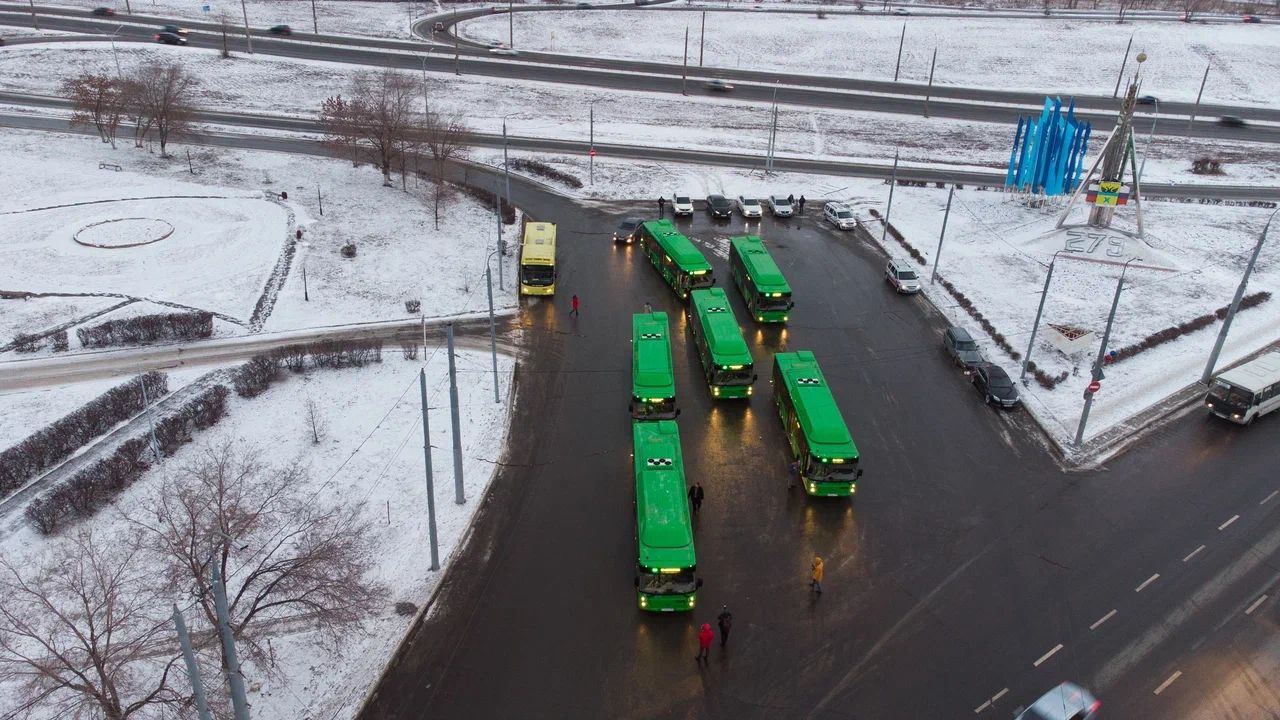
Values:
[(379, 117), (282, 555), (337, 118), (97, 100), (1191, 7), (315, 421), (444, 135), (81, 635), (162, 96)]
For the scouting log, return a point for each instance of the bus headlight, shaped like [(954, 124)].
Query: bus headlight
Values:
[(715, 391), (853, 488), (692, 601), (644, 601), (813, 487), (749, 389)]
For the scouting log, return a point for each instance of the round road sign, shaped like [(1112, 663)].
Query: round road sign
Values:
[(1094, 387)]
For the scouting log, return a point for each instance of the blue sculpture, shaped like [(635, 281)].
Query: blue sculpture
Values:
[(1048, 153)]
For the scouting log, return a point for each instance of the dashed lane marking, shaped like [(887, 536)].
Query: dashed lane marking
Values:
[(978, 710), (1224, 525), (1146, 582), (1194, 553), (1168, 682), (1102, 619), (1254, 605), (999, 695), (1047, 655), (1272, 495)]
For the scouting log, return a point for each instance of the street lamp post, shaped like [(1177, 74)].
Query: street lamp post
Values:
[(1235, 304), (114, 55), (306, 245), (1039, 311), (1102, 351), (1150, 141), (591, 142), (493, 335)]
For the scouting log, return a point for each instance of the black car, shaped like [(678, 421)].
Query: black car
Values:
[(170, 38), (174, 29), (961, 347), (280, 30), (718, 206), (1231, 121), (995, 385), (626, 232), (1148, 99), (104, 12)]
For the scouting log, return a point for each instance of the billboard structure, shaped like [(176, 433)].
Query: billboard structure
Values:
[(1048, 152)]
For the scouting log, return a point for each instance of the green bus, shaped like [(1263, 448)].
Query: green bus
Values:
[(679, 262), (666, 568), (653, 382), (726, 361), (758, 278), (820, 441)]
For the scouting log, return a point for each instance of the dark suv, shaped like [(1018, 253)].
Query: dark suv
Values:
[(626, 232), (995, 385), (961, 348), (718, 206)]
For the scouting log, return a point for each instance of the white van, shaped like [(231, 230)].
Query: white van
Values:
[(1244, 393)]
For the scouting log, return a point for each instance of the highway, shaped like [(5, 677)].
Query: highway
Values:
[(902, 98)]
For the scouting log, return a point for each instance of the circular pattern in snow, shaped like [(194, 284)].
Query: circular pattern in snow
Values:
[(123, 233)]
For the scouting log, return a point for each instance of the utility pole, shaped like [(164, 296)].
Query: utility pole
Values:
[(426, 456), (702, 39), (1151, 140), (193, 672), (1039, 311), (893, 180), (459, 496), (128, 10), (1102, 351), (1196, 109), (493, 333), (511, 25), (1120, 76), (457, 62), (320, 199), (684, 73), (502, 244), (937, 255), (315, 22), (929, 92), (1235, 305), (35, 22), (239, 703), (591, 143), (773, 135), (901, 40), (247, 39), (506, 171), (226, 51)]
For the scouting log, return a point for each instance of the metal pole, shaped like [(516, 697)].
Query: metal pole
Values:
[(315, 22), (426, 457), (773, 134), (1151, 139), (193, 672), (320, 199), (702, 39), (457, 62), (1039, 311), (506, 168), (1120, 76), (239, 704), (459, 496), (893, 180), (226, 51), (1102, 351), (684, 73), (35, 21), (591, 142), (901, 40), (937, 255), (493, 333), (1235, 305), (115, 56), (501, 245), (247, 40), (128, 9), (929, 92), (146, 405), (1196, 109), (511, 25)]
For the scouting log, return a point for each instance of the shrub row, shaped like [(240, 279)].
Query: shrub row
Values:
[(1176, 331), (96, 484), (893, 232), (490, 200), (969, 307), (1046, 381), (66, 435), (148, 328), (256, 375), (542, 169), (30, 342)]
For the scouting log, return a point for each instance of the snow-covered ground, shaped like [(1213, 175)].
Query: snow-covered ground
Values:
[(1061, 56)]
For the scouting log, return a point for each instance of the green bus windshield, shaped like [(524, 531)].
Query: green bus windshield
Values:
[(823, 426), (664, 530), (760, 267), (678, 247), (724, 340), (652, 377)]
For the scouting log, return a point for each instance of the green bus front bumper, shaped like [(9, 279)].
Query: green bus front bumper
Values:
[(666, 603), (822, 488), (730, 392), (770, 316)]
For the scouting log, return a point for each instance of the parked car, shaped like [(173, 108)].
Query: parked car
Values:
[(780, 206), (901, 11), (170, 38), (994, 384), (1252, 19), (961, 348), (1232, 121), (1148, 99), (681, 204), (901, 276), (1065, 702), (626, 232), (584, 4), (718, 206), (504, 51), (718, 85), (280, 30), (175, 29), (749, 207), (839, 215), (104, 12)]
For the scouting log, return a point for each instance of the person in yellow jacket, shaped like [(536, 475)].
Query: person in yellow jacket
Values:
[(815, 575)]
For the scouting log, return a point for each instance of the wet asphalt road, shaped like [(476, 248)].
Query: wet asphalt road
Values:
[(966, 556)]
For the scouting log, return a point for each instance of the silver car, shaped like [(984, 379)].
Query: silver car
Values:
[(1065, 702), (749, 207), (781, 206), (839, 215), (681, 204), (901, 276)]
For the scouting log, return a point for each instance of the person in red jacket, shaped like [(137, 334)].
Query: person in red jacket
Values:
[(705, 636), (573, 302)]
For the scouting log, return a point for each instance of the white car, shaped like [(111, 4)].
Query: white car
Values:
[(901, 276), (504, 51), (1065, 702), (681, 204), (839, 215), (749, 207), (781, 206)]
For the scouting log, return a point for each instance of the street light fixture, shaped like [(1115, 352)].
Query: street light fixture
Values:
[(493, 336)]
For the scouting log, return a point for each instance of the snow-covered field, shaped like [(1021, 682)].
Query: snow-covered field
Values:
[(1070, 56)]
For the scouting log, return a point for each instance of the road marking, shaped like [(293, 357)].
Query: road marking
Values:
[(978, 710), (1224, 525), (1273, 494), (1168, 682), (1146, 582), (1047, 655), (999, 695), (1193, 554), (1102, 619), (1255, 605)]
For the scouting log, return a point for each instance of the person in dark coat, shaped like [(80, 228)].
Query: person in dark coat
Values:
[(725, 621), (695, 498), (705, 636), (801, 203), (662, 207), (791, 199)]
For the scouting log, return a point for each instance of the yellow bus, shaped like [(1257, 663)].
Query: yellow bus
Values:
[(538, 259)]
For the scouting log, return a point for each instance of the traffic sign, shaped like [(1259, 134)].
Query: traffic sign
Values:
[(205, 8), (1094, 387), (593, 152)]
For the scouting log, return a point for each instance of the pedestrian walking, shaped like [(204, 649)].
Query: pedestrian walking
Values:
[(705, 635), (801, 203), (574, 303), (662, 207), (695, 498), (648, 307), (725, 621), (815, 575)]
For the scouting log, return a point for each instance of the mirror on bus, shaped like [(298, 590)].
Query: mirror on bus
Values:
[(859, 472)]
